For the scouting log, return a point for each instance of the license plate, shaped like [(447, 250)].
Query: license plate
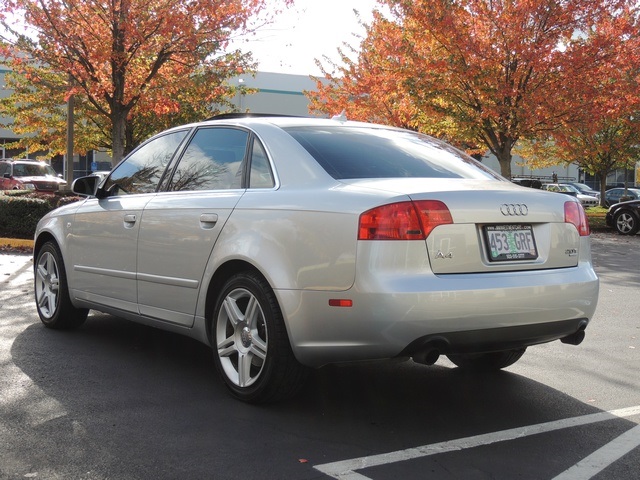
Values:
[(510, 242)]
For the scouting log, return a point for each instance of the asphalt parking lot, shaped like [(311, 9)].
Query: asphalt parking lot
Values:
[(116, 400)]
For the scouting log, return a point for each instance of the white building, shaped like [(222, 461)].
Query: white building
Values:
[(278, 93), (6, 136)]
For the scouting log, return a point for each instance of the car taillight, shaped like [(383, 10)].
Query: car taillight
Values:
[(574, 214), (403, 220)]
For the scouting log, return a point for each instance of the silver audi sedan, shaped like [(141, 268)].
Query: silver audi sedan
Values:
[(290, 243)]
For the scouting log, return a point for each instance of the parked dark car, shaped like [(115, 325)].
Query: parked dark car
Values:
[(614, 195), (29, 175), (624, 217), (528, 182)]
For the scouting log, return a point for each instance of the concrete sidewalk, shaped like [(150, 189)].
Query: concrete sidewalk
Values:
[(13, 265)]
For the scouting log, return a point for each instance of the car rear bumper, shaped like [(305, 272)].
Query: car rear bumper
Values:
[(396, 314)]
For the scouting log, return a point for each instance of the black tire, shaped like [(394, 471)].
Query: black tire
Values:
[(487, 361), (626, 223), (52, 291), (251, 347)]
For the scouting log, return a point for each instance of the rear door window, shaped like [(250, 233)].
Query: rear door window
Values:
[(260, 175), (213, 160)]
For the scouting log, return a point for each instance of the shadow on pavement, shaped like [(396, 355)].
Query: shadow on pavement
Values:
[(124, 401)]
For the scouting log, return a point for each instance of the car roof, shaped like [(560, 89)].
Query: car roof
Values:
[(249, 120)]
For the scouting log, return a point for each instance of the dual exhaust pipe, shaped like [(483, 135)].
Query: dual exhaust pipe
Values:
[(430, 353)]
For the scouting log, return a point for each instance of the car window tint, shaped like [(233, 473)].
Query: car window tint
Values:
[(142, 170), (213, 160), (3, 168), (261, 176), (357, 152)]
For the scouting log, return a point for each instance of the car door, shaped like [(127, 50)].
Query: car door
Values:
[(103, 243), (180, 226)]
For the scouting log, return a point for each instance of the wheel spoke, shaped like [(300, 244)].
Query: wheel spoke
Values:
[(244, 369), (42, 297), (258, 347), (54, 284), (234, 314), (51, 301), (41, 273), (227, 347), (252, 312), (51, 266)]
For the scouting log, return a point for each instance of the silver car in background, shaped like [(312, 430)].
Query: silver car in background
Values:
[(289, 243)]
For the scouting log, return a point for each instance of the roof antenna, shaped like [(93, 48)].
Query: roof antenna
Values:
[(342, 117)]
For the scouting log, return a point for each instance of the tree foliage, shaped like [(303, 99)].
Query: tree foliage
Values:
[(486, 72), (604, 133), (131, 59)]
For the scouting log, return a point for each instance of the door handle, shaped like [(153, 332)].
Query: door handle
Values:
[(208, 220), (129, 219)]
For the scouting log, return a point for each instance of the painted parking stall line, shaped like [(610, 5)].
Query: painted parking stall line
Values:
[(347, 469), (603, 457)]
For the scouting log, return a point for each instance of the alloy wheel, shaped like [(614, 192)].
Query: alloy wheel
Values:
[(47, 285), (242, 337), (625, 223)]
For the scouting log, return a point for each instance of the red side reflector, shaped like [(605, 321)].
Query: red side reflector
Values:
[(340, 302)]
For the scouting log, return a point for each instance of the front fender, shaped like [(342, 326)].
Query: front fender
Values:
[(57, 224)]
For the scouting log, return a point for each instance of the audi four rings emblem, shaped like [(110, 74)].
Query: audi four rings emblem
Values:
[(514, 209)]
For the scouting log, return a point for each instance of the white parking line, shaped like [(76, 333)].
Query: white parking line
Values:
[(602, 458), (346, 469)]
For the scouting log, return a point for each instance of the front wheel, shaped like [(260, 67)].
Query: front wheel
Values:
[(487, 361), (52, 291), (626, 223), (251, 346)]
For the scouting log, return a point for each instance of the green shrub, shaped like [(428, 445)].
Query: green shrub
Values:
[(21, 210)]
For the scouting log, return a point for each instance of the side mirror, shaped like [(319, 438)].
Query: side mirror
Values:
[(85, 186)]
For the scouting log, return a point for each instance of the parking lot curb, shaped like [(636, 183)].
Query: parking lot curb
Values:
[(21, 243)]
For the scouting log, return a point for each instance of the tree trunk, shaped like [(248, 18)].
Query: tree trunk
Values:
[(504, 158), (118, 121), (603, 188)]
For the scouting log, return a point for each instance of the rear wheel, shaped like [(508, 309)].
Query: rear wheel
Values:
[(52, 291), (250, 342), (487, 361), (626, 223)]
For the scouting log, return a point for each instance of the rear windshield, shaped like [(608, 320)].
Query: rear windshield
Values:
[(357, 152)]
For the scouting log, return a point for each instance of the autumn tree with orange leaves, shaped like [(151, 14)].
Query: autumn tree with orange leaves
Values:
[(604, 133), (124, 54), (34, 112), (481, 72)]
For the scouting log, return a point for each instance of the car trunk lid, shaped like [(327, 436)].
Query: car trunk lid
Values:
[(496, 226)]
